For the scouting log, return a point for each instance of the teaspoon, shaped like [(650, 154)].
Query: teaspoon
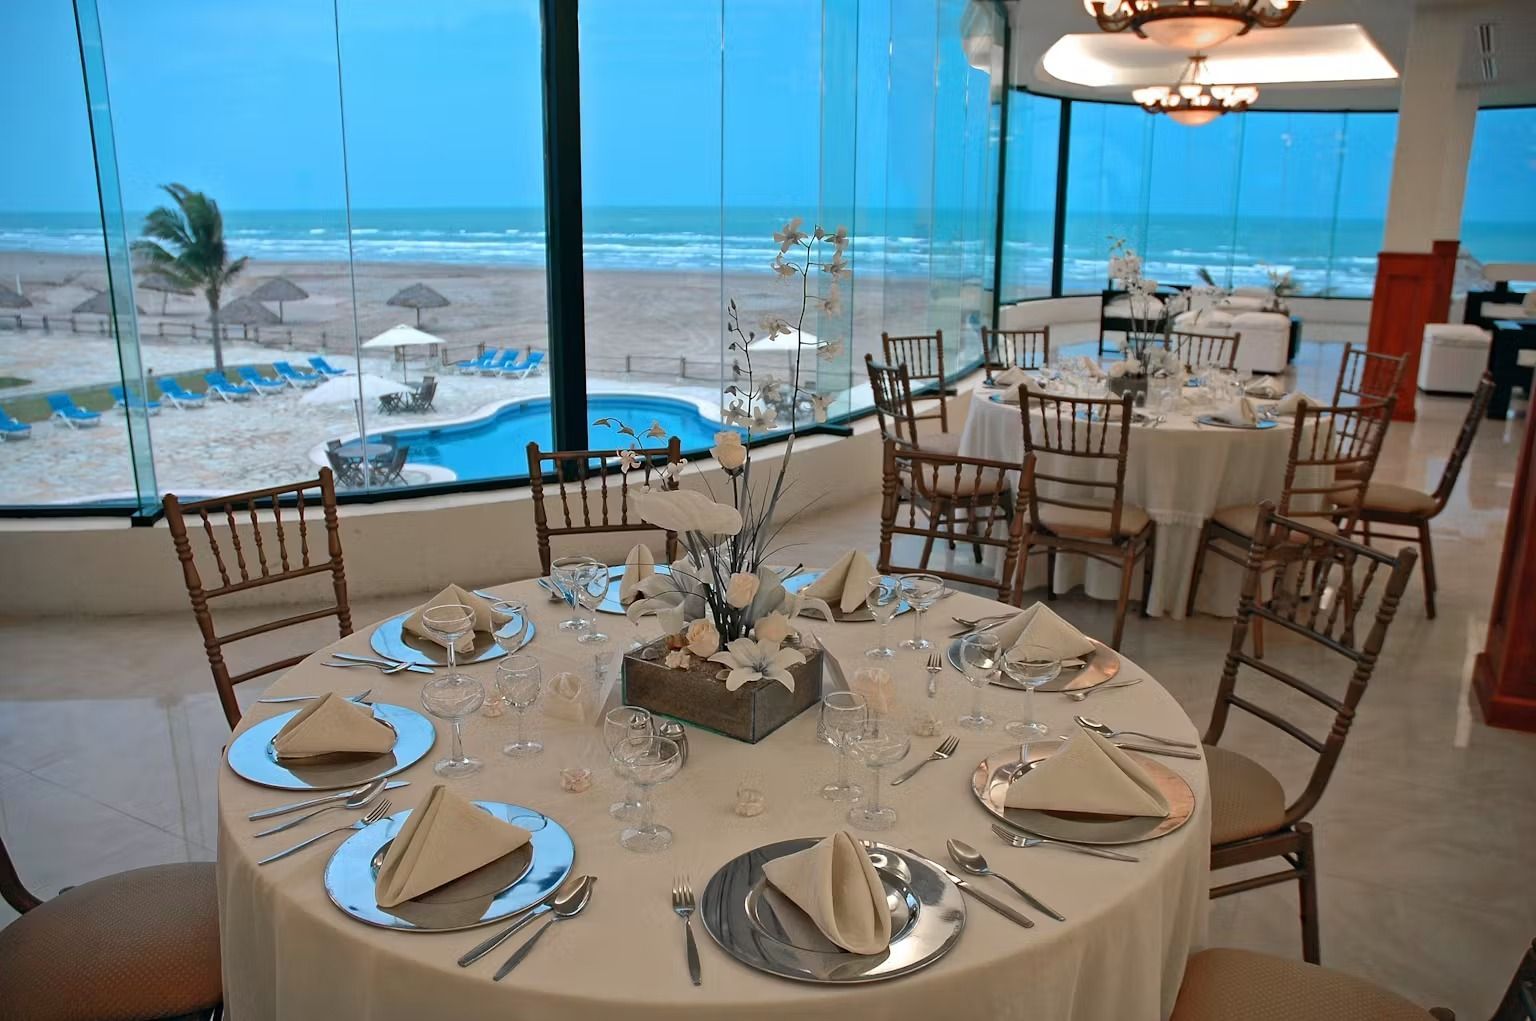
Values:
[(568, 906), (973, 861)]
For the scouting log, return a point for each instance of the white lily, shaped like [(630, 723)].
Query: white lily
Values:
[(757, 661), (684, 510)]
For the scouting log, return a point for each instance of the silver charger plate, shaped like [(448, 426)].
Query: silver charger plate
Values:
[(251, 756), (760, 927), (1213, 420), (610, 603), (1102, 664), (504, 887), (990, 780), (391, 640)]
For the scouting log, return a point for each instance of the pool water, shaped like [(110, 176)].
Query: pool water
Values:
[(497, 446)]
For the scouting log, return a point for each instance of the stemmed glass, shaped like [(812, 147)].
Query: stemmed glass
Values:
[(520, 679), (878, 745), (453, 696), (645, 762), (921, 591), (979, 659), (564, 574), (1030, 665), (592, 582), (843, 714), (619, 724), (884, 600), (448, 623)]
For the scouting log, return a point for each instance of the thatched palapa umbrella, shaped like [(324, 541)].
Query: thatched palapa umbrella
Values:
[(244, 312), (98, 304), (13, 299), (157, 281), (279, 289), (418, 296)]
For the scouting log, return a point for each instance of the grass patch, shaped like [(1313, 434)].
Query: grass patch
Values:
[(34, 407), (7, 381)]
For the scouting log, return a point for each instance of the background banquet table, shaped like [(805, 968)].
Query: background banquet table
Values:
[(289, 953), (1179, 473)]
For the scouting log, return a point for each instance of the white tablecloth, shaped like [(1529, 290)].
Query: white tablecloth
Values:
[(1179, 473), (289, 953)]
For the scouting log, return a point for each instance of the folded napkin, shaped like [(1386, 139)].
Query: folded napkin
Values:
[(1012, 376), (877, 689), (1040, 627), (1267, 387), (1239, 412), (332, 725), (1088, 774), (1288, 403), (638, 566), (846, 583), (1093, 368), (454, 594), (836, 885), (444, 839)]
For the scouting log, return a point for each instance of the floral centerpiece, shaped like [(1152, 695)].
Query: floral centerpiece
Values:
[(1145, 348), (730, 658)]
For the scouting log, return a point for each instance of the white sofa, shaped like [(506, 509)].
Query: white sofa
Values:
[(1453, 358), (1266, 336)]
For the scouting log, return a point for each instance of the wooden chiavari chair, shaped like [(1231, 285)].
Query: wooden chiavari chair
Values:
[(1223, 984), (891, 387), (591, 492), (1327, 584), (1006, 349), (1073, 506), (923, 355), (1197, 349), (1367, 376), (940, 485), (256, 566)]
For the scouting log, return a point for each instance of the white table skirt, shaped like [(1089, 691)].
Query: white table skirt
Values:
[(289, 953), (1179, 474)]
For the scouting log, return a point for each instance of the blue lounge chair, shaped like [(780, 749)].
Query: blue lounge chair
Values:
[(180, 396), (474, 365), (12, 429), (531, 366), (263, 384), (121, 397), (297, 377), (503, 365), (325, 368), (218, 383), (71, 414)]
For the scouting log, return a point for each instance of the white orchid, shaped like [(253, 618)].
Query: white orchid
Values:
[(819, 405), (790, 236), (829, 349), (628, 461), (832, 303), (837, 268), (783, 268), (673, 469), (656, 431), (757, 661), (736, 413), (769, 388), (772, 326), (683, 510), (764, 419)]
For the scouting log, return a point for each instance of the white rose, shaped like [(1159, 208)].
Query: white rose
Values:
[(774, 628), (728, 450), (703, 639), (741, 589)]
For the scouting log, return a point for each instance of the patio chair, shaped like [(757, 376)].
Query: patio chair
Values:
[(180, 397), (263, 384), (12, 429), (388, 473), (324, 367), (421, 400), (473, 366), (71, 414), (219, 384), (348, 473), (120, 398), (532, 366), (297, 377), (508, 362)]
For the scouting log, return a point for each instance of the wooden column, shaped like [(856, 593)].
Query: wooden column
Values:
[(1401, 304), (1505, 674), (1445, 279)]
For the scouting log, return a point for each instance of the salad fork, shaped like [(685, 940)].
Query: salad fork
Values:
[(683, 906), (375, 813), (945, 749), (935, 667), (1022, 840)]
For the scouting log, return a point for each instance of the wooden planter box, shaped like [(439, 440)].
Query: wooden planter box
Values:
[(698, 696)]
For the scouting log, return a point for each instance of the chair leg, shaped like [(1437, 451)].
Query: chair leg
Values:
[(1194, 577), (936, 512), (1427, 565), (1020, 570), (1050, 574), (1127, 566), (1306, 859), (1256, 626), (1148, 557)]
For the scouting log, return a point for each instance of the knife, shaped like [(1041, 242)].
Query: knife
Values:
[(1155, 750), (981, 895), (414, 668), (299, 806)]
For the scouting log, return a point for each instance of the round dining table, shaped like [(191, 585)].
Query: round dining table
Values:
[(288, 952), (1180, 472)]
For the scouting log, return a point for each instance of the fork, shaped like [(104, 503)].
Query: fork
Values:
[(935, 667), (359, 697), (375, 813), (682, 905), (1078, 696), (1021, 840), (945, 749)]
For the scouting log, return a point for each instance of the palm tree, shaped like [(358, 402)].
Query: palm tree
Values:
[(186, 243)]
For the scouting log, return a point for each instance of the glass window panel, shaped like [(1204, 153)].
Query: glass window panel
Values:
[(1499, 213), (1107, 190), (1289, 195), (1034, 130), (1360, 217), (1192, 193)]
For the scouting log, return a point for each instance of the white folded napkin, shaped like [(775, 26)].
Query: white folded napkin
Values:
[(1012, 376), (332, 725), (1288, 403), (877, 689), (1239, 412), (1268, 387), (464, 597), (846, 583), (836, 885), (1088, 774), (1040, 627), (638, 566), (447, 837)]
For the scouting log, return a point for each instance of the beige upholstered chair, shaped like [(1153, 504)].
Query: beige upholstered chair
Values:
[(1007, 349), (1243, 985), (586, 492)]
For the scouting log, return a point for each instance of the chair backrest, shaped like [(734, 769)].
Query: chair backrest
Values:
[(923, 355), (216, 379), (1476, 411), (427, 392), (1368, 375), (994, 513), (585, 485), (285, 368), (12, 889), (60, 402), (1335, 593), (1197, 349), (1026, 349), (119, 394), (534, 358), (891, 389), (171, 388), (1331, 460), (1071, 438), (297, 554)]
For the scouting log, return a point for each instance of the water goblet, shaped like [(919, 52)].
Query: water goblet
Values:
[(1030, 665), (980, 655), (878, 745), (920, 591), (520, 680), (843, 714), (620, 723), (646, 762), (563, 572), (454, 697), (884, 600), (592, 582), (448, 623)]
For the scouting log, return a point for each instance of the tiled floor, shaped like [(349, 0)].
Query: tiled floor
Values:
[(110, 737)]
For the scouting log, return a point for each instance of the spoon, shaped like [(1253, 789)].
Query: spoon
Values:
[(361, 798), (567, 906), (1089, 723), (973, 861), (481, 949), (1078, 696)]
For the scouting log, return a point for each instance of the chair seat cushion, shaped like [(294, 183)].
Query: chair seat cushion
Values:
[(939, 443), (1228, 985), (1246, 799), (1092, 524), (1244, 519), (1388, 496), (139, 944), (941, 481)]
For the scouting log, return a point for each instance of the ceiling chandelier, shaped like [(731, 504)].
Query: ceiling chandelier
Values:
[(1192, 100), (1190, 24)]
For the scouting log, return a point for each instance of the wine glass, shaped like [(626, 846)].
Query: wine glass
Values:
[(646, 762), (843, 714), (452, 698), (563, 572), (920, 591), (520, 679), (1030, 665), (448, 623), (878, 745), (592, 582), (980, 654), (884, 601), (620, 723)]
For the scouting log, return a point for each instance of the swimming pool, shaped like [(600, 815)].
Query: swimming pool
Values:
[(496, 446)]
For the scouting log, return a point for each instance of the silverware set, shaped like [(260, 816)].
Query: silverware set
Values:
[(361, 698), (1006, 910), (563, 905), (945, 749), (1089, 723), (359, 799), (386, 666), (683, 907), (377, 812), (1078, 696), (1013, 839), (974, 862), (299, 806)]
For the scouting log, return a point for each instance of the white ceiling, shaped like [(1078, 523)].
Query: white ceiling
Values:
[(1037, 24)]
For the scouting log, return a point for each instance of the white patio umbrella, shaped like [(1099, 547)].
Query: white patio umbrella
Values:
[(345, 388), (403, 336), (789, 342)]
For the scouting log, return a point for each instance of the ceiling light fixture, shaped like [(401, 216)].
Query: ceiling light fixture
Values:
[(1190, 24), (1193, 100)]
